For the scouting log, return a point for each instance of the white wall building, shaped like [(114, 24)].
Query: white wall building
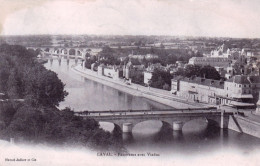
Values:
[(236, 91), (147, 77), (211, 61)]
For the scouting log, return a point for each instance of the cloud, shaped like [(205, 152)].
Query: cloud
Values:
[(232, 18)]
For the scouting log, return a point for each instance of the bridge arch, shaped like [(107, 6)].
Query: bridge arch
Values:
[(163, 122), (72, 51), (64, 51), (56, 51), (133, 123), (78, 53), (213, 122), (117, 126), (47, 49), (210, 120)]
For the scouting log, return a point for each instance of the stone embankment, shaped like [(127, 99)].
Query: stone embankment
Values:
[(247, 124), (158, 95)]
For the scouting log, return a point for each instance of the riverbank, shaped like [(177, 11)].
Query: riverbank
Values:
[(248, 124), (158, 95)]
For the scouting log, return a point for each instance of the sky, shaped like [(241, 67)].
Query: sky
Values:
[(213, 18)]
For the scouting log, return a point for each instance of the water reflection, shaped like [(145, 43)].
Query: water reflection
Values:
[(149, 136), (128, 138), (85, 94)]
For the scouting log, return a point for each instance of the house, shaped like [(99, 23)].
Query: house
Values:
[(147, 77), (237, 91)]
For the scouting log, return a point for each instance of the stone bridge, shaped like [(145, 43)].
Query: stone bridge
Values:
[(72, 52), (126, 120)]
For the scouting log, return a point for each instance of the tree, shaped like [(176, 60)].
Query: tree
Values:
[(138, 78), (192, 70), (43, 87), (14, 85), (160, 78), (37, 119), (209, 72), (106, 52)]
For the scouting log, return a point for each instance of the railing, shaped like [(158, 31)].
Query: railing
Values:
[(164, 111)]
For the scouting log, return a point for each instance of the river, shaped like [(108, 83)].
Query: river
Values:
[(149, 136)]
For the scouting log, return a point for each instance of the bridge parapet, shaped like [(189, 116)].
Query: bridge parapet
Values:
[(176, 119)]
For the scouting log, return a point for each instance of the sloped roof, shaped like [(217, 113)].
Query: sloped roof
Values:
[(254, 79), (239, 79), (203, 81)]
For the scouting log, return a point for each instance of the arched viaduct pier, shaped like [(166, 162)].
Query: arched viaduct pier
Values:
[(66, 52), (175, 119)]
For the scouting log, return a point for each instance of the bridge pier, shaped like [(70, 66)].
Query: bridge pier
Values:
[(177, 126), (224, 120), (127, 127), (59, 61)]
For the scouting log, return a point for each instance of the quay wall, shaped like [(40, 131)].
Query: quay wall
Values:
[(235, 122), (244, 125), (137, 90)]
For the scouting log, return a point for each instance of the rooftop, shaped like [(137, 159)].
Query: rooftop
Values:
[(254, 79), (239, 79), (202, 81)]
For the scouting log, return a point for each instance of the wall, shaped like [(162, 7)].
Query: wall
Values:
[(219, 62), (244, 125), (234, 89), (147, 77), (198, 92)]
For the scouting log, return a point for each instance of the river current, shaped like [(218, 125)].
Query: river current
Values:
[(150, 136)]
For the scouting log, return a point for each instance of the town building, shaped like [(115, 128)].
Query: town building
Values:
[(255, 86), (222, 57), (238, 88), (148, 73), (237, 91), (130, 70), (211, 61), (147, 77), (115, 72), (141, 57)]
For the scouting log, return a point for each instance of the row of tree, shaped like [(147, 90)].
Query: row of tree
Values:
[(110, 56), (208, 72)]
